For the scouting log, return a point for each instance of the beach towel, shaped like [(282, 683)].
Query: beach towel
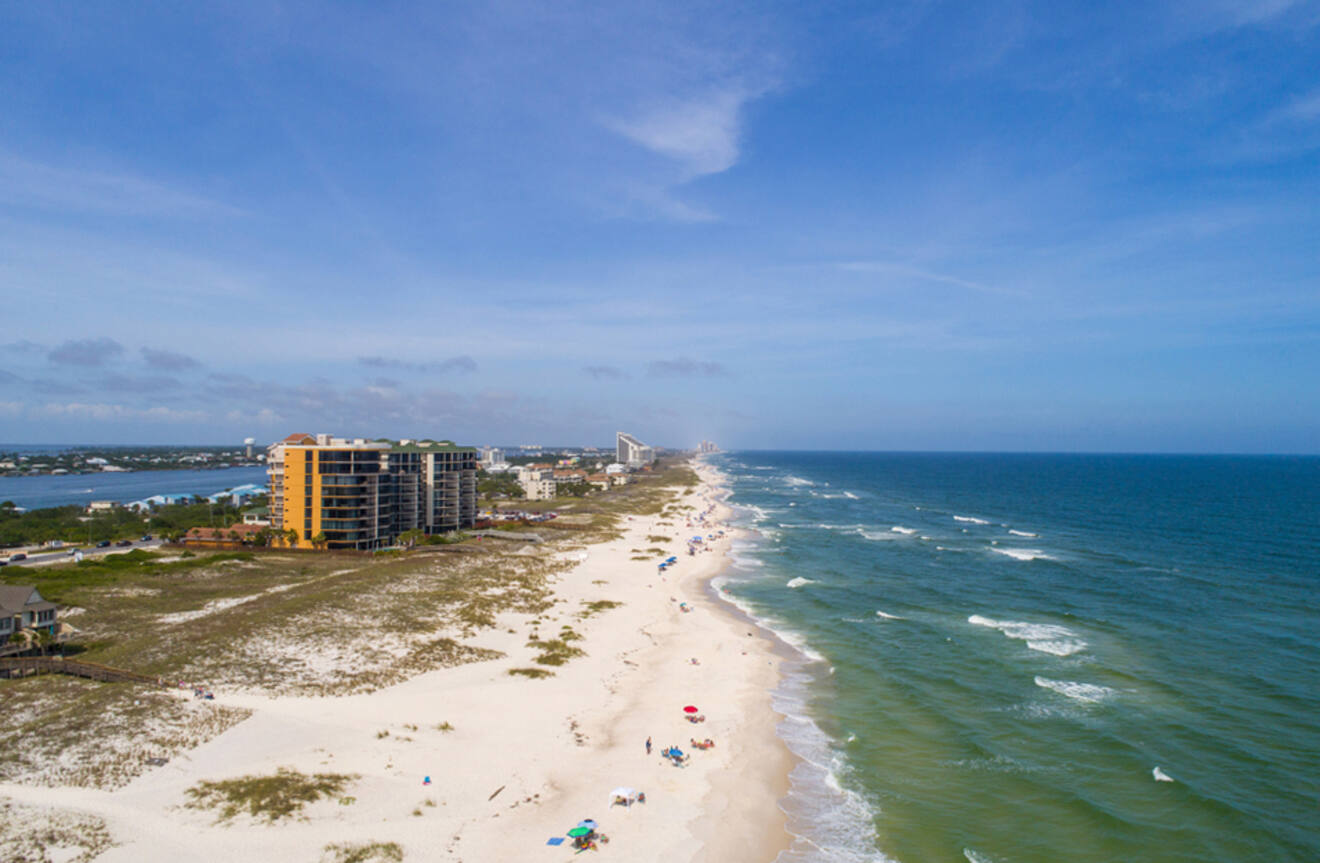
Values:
[(555, 840)]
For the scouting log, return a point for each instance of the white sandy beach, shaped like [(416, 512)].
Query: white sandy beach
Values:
[(526, 759)]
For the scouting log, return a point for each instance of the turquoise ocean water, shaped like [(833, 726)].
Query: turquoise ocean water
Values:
[(1021, 658)]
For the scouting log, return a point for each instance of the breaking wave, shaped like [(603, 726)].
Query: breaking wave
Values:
[(1023, 553), (1043, 637), (800, 581), (969, 519), (1087, 692)]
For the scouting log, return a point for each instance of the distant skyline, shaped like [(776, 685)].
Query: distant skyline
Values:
[(1007, 226)]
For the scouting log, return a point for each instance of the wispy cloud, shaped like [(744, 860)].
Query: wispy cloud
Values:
[(24, 346), (684, 367), (462, 364), (25, 183), (602, 373), (168, 361), (700, 134), (149, 384), (909, 271), (86, 352)]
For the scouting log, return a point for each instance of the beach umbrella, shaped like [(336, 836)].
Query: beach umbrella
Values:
[(690, 709), (676, 753), (626, 793), (579, 831), (587, 823)]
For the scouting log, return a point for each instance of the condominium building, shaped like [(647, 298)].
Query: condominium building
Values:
[(632, 452), (362, 494)]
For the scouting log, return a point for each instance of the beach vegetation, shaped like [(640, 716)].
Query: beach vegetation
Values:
[(363, 852), (597, 606), (271, 798), (445, 726), (556, 651), (534, 673), (658, 538)]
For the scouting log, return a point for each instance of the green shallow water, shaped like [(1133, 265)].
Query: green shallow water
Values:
[(1053, 629)]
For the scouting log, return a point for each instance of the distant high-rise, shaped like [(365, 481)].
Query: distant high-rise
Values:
[(707, 446), (633, 452)]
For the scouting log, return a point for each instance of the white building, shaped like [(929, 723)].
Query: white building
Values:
[(632, 452), (537, 483), (491, 456)]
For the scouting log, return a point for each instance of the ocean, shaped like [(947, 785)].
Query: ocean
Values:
[(36, 492), (1021, 658)]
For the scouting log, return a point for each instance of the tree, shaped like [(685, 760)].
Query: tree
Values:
[(291, 537), (412, 537), (319, 540)]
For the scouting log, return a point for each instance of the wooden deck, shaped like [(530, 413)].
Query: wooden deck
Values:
[(27, 666)]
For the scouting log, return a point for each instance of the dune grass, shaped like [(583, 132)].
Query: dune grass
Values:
[(269, 798)]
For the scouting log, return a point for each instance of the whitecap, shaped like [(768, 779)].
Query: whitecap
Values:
[(1044, 637), (1023, 553), (797, 481), (1025, 533), (879, 613), (970, 519), (851, 496), (877, 537), (977, 856), (1161, 776), (746, 562), (906, 531), (799, 582), (1087, 692)]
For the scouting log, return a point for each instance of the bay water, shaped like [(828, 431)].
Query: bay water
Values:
[(1022, 658)]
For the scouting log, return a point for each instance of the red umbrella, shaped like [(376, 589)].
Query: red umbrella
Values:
[(689, 709)]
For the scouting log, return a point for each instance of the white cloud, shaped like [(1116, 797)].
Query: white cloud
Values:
[(700, 134)]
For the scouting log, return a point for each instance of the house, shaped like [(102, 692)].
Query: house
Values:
[(101, 506), (259, 516), (601, 481), (158, 500), (23, 609)]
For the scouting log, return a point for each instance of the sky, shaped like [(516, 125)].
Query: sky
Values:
[(915, 225)]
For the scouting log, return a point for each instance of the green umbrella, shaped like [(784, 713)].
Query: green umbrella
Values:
[(579, 831)]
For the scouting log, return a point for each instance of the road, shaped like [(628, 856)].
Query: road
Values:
[(43, 558)]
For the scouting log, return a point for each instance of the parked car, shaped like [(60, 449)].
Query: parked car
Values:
[(124, 542), (14, 558), (105, 543), (146, 537)]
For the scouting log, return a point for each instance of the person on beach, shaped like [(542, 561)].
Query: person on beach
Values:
[(648, 746)]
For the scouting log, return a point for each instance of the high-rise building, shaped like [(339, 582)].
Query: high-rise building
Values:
[(633, 452), (362, 494)]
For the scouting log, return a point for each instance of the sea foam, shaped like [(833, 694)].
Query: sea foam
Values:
[(799, 582), (1025, 533), (1023, 553), (1087, 692), (906, 531), (969, 519), (1043, 637)]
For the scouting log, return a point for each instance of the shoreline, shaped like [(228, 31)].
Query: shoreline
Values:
[(525, 759)]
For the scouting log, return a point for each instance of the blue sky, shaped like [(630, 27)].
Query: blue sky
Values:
[(914, 225)]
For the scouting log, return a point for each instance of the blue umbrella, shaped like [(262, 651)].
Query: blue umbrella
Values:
[(676, 753), (588, 823)]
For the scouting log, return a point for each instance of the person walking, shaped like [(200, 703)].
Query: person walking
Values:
[(648, 746)]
